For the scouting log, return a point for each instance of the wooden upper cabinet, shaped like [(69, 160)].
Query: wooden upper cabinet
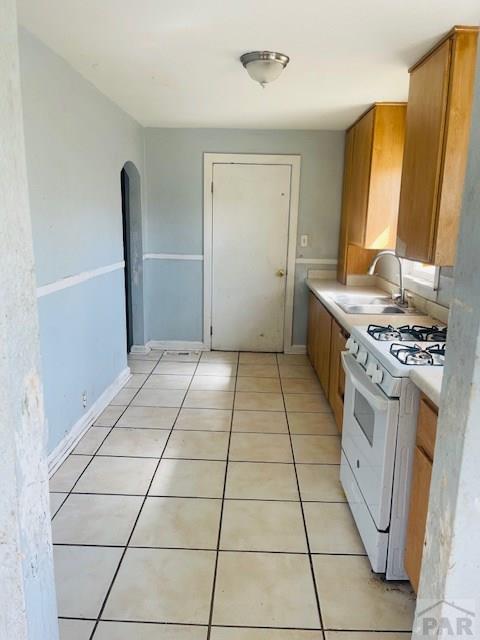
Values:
[(379, 140), (436, 145), (342, 269), (371, 186), (360, 179)]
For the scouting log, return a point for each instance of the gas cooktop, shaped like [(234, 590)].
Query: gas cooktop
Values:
[(407, 333)]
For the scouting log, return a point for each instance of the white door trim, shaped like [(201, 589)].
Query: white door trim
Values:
[(209, 159)]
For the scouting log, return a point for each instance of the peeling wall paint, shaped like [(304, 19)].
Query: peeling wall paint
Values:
[(27, 592)]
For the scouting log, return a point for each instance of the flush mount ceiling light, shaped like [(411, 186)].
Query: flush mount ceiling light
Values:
[(264, 66)]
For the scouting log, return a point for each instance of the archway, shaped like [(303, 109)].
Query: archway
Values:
[(133, 254)]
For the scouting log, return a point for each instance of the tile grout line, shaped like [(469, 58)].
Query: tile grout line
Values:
[(236, 551), (317, 598), (231, 626), (217, 556), (162, 456), (103, 455), (125, 548)]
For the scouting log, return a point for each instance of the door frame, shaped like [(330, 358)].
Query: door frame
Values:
[(209, 160), (127, 254)]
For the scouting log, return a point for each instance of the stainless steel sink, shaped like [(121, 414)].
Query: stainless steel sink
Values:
[(373, 305), (371, 309)]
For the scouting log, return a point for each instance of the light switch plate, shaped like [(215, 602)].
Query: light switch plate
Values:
[(304, 241)]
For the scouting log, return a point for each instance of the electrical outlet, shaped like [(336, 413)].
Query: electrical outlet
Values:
[(304, 241), (84, 399)]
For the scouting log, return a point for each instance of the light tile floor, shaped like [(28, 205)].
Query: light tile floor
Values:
[(204, 503)]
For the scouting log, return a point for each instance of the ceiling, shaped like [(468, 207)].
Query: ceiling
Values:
[(175, 63)]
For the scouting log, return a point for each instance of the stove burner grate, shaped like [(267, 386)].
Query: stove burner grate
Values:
[(406, 333), (389, 333), (416, 355), (431, 334)]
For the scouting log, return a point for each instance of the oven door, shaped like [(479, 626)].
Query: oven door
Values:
[(369, 436)]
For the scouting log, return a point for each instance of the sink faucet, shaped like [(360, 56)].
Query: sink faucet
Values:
[(371, 270)]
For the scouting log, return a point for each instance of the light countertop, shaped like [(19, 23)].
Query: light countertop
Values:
[(327, 290), (428, 380)]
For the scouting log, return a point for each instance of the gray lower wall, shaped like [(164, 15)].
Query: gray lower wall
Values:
[(77, 142), (174, 200)]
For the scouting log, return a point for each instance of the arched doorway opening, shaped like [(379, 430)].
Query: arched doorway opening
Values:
[(133, 255)]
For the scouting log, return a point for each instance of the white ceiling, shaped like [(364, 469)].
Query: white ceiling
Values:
[(174, 63)]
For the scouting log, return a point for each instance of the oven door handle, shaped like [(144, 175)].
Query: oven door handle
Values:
[(367, 388)]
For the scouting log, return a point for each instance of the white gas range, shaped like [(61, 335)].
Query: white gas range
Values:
[(378, 437)]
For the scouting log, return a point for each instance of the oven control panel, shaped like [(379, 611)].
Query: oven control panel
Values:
[(363, 357)]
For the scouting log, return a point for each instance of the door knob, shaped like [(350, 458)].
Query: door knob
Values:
[(280, 273)]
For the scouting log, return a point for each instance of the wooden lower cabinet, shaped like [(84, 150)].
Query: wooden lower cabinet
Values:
[(337, 375), (323, 347), (420, 489), (312, 328), (325, 342), (318, 341)]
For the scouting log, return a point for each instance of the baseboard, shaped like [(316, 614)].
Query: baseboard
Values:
[(296, 349), (63, 449), (140, 348), (177, 345)]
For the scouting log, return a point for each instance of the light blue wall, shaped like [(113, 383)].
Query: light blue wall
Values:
[(174, 299), (82, 336), (76, 142), (174, 197)]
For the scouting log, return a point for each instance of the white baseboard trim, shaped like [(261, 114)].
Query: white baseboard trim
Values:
[(140, 348), (177, 345), (62, 450), (297, 349)]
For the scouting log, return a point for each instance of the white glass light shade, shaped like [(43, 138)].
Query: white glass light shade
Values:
[(264, 66), (264, 71)]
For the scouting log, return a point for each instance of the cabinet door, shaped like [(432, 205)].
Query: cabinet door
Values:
[(322, 358), (417, 519), (312, 327), (385, 176), (337, 375), (342, 269), (422, 162), (427, 426), (360, 177)]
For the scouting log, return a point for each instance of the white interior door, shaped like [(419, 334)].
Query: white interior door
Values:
[(251, 204)]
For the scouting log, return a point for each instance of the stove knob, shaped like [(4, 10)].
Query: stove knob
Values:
[(372, 367), (362, 356), (377, 377), (351, 346)]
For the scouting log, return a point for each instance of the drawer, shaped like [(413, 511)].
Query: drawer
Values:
[(374, 541), (427, 426)]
